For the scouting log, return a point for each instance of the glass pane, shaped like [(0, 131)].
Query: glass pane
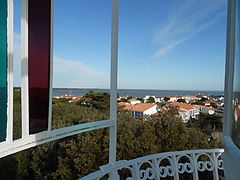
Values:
[(17, 120), (81, 61), (236, 82), (171, 62)]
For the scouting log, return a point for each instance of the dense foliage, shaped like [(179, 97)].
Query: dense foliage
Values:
[(211, 125), (181, 100), (79, 155), (151, 99), (100, 101)]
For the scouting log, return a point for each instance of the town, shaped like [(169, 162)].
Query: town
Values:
[(188, 106)]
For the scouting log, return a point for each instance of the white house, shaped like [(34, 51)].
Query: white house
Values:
[(207, 103), (186, 111), (189, 98), (147, 97), (156, 99), (142, 109), (134, 101), (184, 114), (159, 99), (173, 98)]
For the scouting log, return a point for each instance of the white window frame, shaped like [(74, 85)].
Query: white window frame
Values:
[(11, 146)]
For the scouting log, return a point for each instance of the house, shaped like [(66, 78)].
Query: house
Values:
[(186, 111), (173, 98), (134, 101), (70, 98), (208, 103), (145, 99), (56, 97), (122, 105), (208, 110), (74, 99), (156, 99), (189, 99), (141, 109), (184, 114), (159, 99)]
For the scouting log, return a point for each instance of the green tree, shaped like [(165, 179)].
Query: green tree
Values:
[(168, 126), (166, 99), (140, 99), (181, 100), (214, 105), (76, 156), (151, 100), (203, 99), (59, 101), (198, 102), (208, 124), (100, 101)]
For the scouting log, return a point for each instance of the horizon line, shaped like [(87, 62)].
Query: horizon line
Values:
[(132, 89)]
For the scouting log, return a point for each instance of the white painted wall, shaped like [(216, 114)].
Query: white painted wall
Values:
[(132, 102), (189, 113), (151, 110)]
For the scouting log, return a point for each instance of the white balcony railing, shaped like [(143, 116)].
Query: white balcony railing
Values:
[(162, 165)]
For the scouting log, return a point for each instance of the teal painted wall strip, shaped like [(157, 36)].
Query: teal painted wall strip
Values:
[(3, 69)]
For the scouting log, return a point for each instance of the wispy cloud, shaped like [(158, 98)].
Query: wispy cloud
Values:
[(185, 20), (70, 66), (66, 72), (70, 73)]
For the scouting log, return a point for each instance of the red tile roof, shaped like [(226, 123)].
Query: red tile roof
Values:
[(122, 104), (181, 110), (141, 107), (173, 96), (183, 105)]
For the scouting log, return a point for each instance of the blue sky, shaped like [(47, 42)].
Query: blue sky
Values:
[(177, 44)]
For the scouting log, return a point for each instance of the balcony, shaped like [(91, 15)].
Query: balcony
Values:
[(174, 165), (189, 164)]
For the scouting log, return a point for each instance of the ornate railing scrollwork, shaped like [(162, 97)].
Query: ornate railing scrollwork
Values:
[(149, 172), (204, 165), (219, 161), (162, 165), (186, 166), (167, 170)]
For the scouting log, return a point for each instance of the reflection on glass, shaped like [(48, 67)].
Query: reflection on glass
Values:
[(236, 82)]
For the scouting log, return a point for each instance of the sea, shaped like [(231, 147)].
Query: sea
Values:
[(136, 92)]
